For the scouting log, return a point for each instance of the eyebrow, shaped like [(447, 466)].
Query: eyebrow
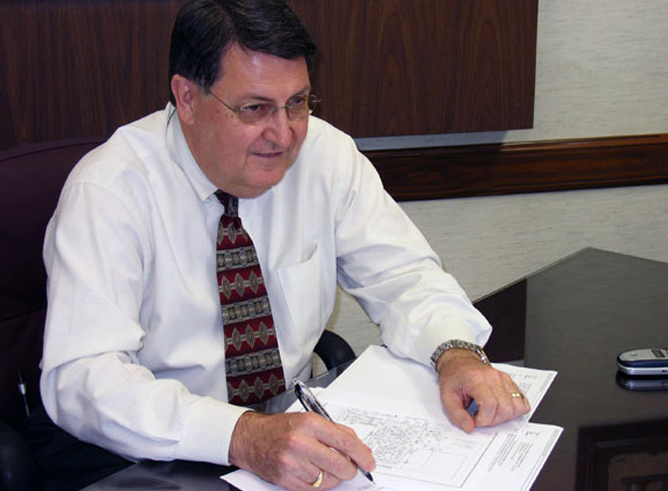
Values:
[(261, 98)]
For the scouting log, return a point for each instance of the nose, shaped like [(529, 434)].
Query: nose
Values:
[(279, 128)]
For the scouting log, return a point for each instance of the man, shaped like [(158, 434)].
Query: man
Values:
[(135, 343)]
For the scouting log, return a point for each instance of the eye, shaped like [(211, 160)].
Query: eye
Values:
[(256, 108), (298, 100)]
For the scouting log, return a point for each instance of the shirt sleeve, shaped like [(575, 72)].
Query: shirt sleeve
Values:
[(386, 263), (97, 252)]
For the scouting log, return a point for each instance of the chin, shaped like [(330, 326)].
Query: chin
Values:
[(258, 189), (270, 179)]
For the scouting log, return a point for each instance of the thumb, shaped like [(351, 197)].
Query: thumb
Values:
[(458, 415)]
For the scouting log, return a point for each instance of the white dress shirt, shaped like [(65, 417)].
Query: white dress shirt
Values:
[(134, 351)]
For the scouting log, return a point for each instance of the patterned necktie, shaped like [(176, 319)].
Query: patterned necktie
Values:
[(252, 361)]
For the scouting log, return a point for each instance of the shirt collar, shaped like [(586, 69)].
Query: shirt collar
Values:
[(181, 154)]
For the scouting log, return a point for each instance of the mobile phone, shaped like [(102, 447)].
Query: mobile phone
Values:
[(649, 361)]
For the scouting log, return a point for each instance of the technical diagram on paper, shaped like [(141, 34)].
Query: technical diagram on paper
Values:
[(406, 446)]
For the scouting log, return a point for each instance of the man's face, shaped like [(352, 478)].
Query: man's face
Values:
[(241, 159)]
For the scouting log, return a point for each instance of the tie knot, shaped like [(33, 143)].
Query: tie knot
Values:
[(231, 203)]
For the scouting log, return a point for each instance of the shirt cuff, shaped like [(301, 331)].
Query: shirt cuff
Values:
[(207, 436), (435, 335)]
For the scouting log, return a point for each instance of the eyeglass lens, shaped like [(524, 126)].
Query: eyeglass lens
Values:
[(297, 109)]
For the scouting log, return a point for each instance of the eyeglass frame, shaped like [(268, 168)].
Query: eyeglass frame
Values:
[(311, 101)]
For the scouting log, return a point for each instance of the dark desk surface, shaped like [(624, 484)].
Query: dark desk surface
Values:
[(574, 316)]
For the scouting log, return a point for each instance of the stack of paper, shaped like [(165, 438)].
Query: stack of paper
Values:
[(393, 404)]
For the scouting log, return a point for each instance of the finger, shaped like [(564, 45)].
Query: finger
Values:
[(312, 457), (504, 402), (337, 449), (346, 428), (307, 474), (489, 393), (519, 404), (297, 477), (519, 400), (488, 408), (456, 410), (346, 443), (333, 462), (328, 481)]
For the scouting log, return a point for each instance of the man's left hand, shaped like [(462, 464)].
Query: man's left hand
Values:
[(464, 378)]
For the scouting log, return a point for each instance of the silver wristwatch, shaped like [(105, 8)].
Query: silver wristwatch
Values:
[(458, 343)]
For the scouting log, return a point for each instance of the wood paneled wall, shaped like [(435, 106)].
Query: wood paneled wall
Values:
[(81, 68), (406, 67)]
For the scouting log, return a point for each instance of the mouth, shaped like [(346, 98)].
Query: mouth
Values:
[(268, 155)]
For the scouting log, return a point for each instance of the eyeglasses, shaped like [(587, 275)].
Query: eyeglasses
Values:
[(297, 108)]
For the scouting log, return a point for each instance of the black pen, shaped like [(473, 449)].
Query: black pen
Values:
[(310, 403)]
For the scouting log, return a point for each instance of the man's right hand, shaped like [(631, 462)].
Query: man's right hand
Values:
[(291, 449)]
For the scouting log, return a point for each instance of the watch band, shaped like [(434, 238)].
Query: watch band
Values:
[(458, 343)]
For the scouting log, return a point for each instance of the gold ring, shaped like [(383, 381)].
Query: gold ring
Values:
[(517, 395), (318, 482)]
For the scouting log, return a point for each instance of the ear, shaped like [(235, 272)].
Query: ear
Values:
[(184, 93)]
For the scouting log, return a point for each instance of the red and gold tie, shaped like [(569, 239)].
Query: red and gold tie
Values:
[(252, 361)]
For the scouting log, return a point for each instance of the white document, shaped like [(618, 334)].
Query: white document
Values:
[(380, 379), (394, 406), (418, 454)]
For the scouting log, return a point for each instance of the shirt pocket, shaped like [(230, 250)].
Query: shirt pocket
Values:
[(304, 293)]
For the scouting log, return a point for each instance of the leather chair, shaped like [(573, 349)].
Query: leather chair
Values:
[(30, 182)]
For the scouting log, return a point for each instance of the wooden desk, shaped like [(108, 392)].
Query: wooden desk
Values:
[(574, 316)]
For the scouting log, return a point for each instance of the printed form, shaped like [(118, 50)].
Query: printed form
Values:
[(394, 406)]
